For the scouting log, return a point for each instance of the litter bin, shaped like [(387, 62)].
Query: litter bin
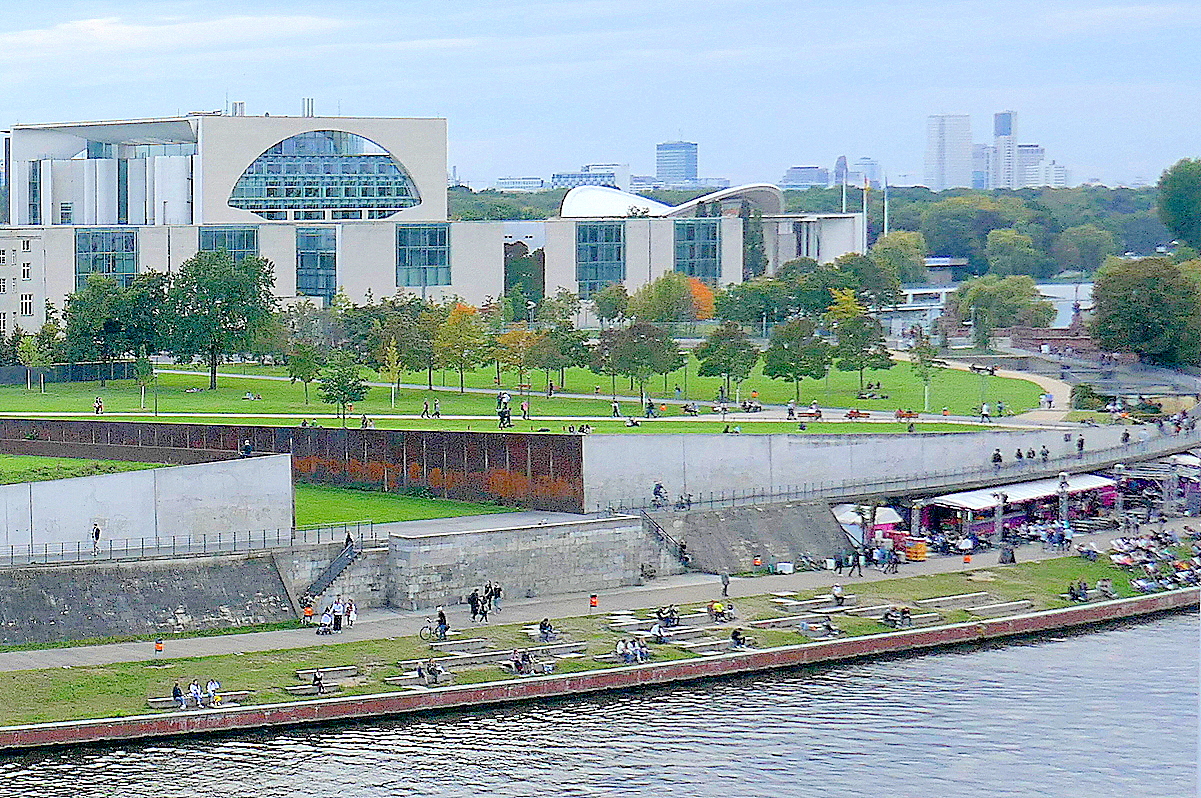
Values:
[(784, 568)]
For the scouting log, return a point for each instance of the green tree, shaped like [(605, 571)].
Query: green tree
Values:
[(727, 352), (525, 272), (94, 330), (143, 372), (753, 302), (611, 302), (341, 383), (390, 368), (811, 296), (667, 299), (560, 349), (860, 346), (641, 351), (903, 253), (924, 362), (515, 348), (32, 355), (461, 342), (139, 308), (992, 301), (216, 306), (1149, 307), (1084, 248), (876, 282), (1179, 202), (1011, 252), (304, 365), (958, 227), (796, 352), (561, 308)]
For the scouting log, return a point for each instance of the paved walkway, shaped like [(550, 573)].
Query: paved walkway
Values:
[(377, 624)]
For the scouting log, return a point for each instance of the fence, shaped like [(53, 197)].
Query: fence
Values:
[(188, 545), (941, 481)]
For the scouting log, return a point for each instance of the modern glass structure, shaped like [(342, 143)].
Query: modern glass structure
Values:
[(113, 253), (317, 261), (35, 192), (600, 255), (237, 241), (697, 252), (676, 162), (422, 255), (322, 172)]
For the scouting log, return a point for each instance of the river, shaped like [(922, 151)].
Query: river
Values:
[(1107, 713)]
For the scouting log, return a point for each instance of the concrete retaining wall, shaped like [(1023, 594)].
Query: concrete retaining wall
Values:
[(40, 604), (365, 580), (625, 467), (428, 570), (207, 498), (535, 687)]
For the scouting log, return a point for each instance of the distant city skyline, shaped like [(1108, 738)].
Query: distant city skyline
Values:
[(532, 87)]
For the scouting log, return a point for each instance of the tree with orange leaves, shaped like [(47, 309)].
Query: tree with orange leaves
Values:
[(702, 299)]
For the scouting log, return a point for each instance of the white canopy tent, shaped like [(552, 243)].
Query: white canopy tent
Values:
[(986, 499)]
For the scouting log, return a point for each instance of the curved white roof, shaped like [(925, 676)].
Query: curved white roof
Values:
[(589, 202)]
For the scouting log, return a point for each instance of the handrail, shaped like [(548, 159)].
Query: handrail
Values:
[(333, 570), (673, 545)]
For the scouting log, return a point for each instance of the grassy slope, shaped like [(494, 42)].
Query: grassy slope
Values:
[(317, 504), (120, 689), (23, 468)]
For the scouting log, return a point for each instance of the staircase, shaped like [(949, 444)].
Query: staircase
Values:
[(333, 571), (670, 542)]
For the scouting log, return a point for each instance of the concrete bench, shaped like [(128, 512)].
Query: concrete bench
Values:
[(498, 655), (823, 603), (1092, 595), (228, 699), (875, 611), (787, 621), (783, 593), (956, 602), (311, 689), (644, 624), (329, 674), (1001, 608), (411, 679), (466, 644)]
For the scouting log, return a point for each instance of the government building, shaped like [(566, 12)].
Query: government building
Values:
[(338, 203)]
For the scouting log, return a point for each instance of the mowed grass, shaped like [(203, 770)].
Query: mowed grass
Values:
[(317, 504), (53, 694), (27, 468)]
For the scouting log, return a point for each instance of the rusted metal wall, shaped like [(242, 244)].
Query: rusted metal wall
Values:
[(542, 472)]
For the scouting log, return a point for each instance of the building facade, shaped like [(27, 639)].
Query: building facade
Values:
[(339, 204), (948, 151), (676, 163)]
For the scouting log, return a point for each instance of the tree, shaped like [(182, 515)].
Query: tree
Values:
[(341, 383), (811, 295), (390, 368), (876, 283), (641, 351), (1149, 307), (216, 306), (461, 342), (958, 227), (1084, 248), (796, 352), (844, 305), (666, 299), (558, 309), (525, 272), (860, 346), (610, 302), (1179, 203), (32, 355), (140, 311), (1011, 252), (143, 372), (753, 301), (702, 299), (514, 350), (94, 328), (903, 253), (923, 360), (562, 348), (991, 301), (304, 365), (727, 352)]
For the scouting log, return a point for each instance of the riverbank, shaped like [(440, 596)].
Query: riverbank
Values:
[(587, 681)]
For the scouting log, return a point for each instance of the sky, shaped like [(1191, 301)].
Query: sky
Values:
[(1111, 90)]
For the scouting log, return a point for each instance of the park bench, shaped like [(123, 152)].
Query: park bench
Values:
[(411, 679), (311, 689), (524, 386), (329, 674), (854, 414), (900, 414), (956, 602), (462, 646), (1092, 595), (228, 699), (824, 603), (497, 655), (1001, 608), (815, 415)]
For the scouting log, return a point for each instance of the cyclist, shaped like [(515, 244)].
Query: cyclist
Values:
[(443, 627)]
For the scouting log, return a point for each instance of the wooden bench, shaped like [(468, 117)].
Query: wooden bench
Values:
[(329, 674), (956, 602), (228, 699), (311, 689), (854, 414), (900, 414), (465, 645), (815, 415), (1001, 608)]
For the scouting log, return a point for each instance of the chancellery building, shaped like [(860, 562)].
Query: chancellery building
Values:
[(338, 203)]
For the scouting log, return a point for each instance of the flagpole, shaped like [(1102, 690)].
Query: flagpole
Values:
[(886, 203), (866, 188), (844, 194)]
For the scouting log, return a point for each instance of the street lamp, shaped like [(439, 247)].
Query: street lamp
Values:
[(1119, 500), (999, 518), (1063, 498)]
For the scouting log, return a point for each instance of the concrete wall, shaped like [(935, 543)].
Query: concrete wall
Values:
[(41, 604), (365, 580), (626, 467), (207, 498), (554, 558)]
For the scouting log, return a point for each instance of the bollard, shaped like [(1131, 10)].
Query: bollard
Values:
[(593, 603), (158, 647), (757, 562), (967, 559)]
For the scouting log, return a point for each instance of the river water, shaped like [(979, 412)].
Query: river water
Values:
[(1107, 713)]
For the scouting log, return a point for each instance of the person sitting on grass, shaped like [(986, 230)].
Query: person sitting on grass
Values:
[(546, 632), (737, 639), (1105, 588)]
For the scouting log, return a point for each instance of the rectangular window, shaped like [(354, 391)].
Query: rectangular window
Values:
[(316, 261), (311, 216), (25, 244), (26, 271), (697, 252), (35, 192), (422, 255), (237, 241), (3, 285), (26, 304), (3, 325), (122, 191), (3, 256), (113, 253), (66, 213), (600, 255)]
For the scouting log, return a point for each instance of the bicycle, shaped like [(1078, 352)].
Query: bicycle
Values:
[(431, 631)]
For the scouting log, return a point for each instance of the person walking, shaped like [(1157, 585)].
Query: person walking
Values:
[(98, 406), (95, 539), (437, 408), (616, 409), (525, 409), (856, 561), (339, 613), (985, 415), (496, 594), (425, 409), (1044, 453), (1080, 447), (725, 584), (473, 601), (352, 613), (996, 459)]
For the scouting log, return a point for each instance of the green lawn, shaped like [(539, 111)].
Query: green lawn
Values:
[(317, 504), (25, 468)]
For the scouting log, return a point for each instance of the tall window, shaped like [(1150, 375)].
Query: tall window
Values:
[(110, 252), (237, 241), (26, 271), (3, 285), (66, 213), (3, 324), (312, 174), (26, 304), (35, 192), (697, 252), (316, 261), (422, 255), (600, 255)]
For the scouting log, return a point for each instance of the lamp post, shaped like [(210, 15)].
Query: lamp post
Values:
[(1173, 485), (1119, 499), (1063, 498), (999, 518)]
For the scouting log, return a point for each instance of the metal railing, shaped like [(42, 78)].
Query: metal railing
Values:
[(837, 490), (333, 570), (187, 545), (672, 544)]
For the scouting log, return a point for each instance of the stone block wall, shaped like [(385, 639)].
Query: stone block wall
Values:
[(365, 580)]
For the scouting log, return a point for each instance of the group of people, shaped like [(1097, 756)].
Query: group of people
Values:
[(632, 651), (333, 618), (898, 617), (482, 604), (720, 611), (668, 616), (208, 697), (428, 412), (504, 414), (523, 664), (1029, 455)]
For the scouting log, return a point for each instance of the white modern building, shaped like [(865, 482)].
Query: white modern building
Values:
[(335, 203), (948, 151), (519, 184)]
